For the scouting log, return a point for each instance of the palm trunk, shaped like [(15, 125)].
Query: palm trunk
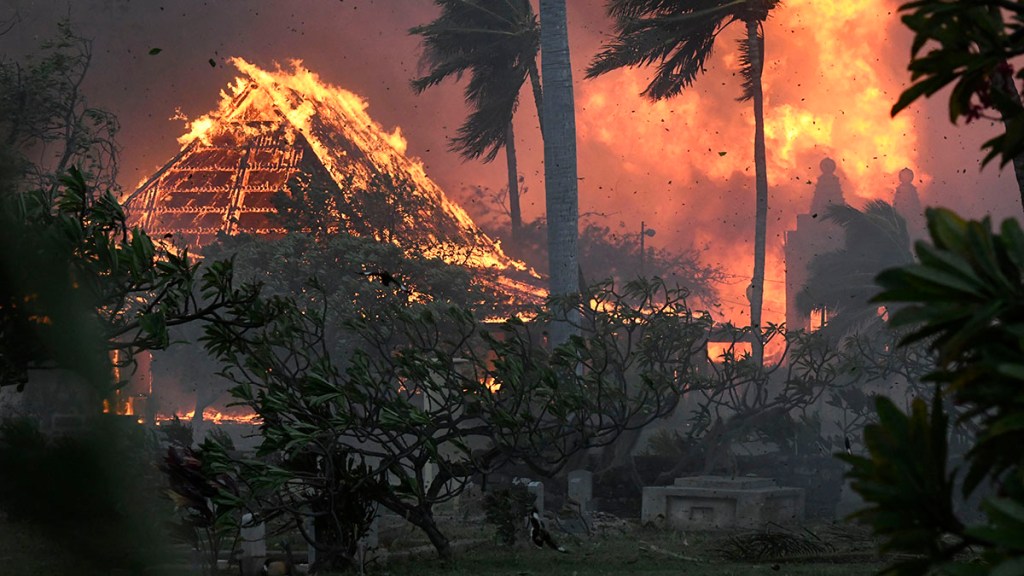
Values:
[(756, 44), (560, 184), (513, 185)]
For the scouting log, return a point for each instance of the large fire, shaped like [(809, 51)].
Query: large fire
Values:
[(685, 165), (833, 71), (335, 123), (287, 131)]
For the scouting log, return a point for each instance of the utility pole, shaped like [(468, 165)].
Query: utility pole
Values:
[(644, 233)]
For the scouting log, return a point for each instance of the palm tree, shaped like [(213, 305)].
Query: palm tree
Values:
[(496, 43), (678, 36), (560, 183), (843, 281)]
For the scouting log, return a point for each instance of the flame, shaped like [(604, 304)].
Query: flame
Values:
[(833, 71), (213, 415), (349, 144), (718, 352)]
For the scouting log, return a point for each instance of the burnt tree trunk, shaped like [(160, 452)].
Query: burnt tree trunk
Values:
[(514, 212), (755, 42)]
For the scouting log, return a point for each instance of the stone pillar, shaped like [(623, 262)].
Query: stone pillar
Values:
[(537, 489), (581, 489), (310, 528), (254, 545), (907, 202)]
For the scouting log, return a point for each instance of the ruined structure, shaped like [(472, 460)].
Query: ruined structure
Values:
[(285, 136), (814, 235)]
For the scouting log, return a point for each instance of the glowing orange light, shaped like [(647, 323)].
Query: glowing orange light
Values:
[(213, 415), (718, 352), (832, 73)]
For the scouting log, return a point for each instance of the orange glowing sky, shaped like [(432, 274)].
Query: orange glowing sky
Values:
[(684, 166)]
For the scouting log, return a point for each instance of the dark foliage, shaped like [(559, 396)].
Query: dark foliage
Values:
[(964, 298), (969, 44), (507, 509), (78, 284), (92, 493)]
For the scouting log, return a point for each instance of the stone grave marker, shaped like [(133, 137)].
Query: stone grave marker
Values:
[(254, 545), (581, 489)]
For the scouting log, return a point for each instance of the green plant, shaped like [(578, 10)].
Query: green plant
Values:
[(91, 494), (969, 44), (205, 501), (966, 296), (426, 396), (507, 508), (78, 284)]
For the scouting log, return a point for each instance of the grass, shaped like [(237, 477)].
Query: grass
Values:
[(638, 551), (624, 549)]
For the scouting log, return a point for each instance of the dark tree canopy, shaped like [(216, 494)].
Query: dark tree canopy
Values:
[(47, 125), (496, 44)]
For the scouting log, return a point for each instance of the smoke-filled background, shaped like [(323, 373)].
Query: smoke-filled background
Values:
[(683, 166)]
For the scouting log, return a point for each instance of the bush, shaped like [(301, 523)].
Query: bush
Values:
[(507, 509), (965, 297), (95, 493)]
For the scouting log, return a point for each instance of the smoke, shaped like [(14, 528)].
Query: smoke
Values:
[(684, 166)]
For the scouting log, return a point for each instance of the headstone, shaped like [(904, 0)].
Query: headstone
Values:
[(254, 545), (581, 489), (537, 489), (311, 533)]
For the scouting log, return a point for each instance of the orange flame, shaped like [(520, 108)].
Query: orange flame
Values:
[(309, 104), (832, 72), (213, 415)]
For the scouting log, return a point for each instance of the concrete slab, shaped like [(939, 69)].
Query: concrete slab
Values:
[(716, 503)]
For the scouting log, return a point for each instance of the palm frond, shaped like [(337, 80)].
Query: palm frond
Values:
[(492, 42), (876, 239), (751, 64), (677, 37)]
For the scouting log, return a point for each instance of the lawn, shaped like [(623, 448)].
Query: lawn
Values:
[(626, 548), (620, 548)]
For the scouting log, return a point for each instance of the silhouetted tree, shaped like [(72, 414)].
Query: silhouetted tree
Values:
[(496, 43), (45, 116)]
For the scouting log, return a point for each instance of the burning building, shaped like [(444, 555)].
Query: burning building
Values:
[(286, 152), (284, 132)]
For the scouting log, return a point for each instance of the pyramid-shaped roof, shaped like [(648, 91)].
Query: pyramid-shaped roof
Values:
[(285, 131)]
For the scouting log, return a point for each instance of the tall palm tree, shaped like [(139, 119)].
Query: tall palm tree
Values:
[(560, 181), (678, 36), (843, 281), (496, 43)]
